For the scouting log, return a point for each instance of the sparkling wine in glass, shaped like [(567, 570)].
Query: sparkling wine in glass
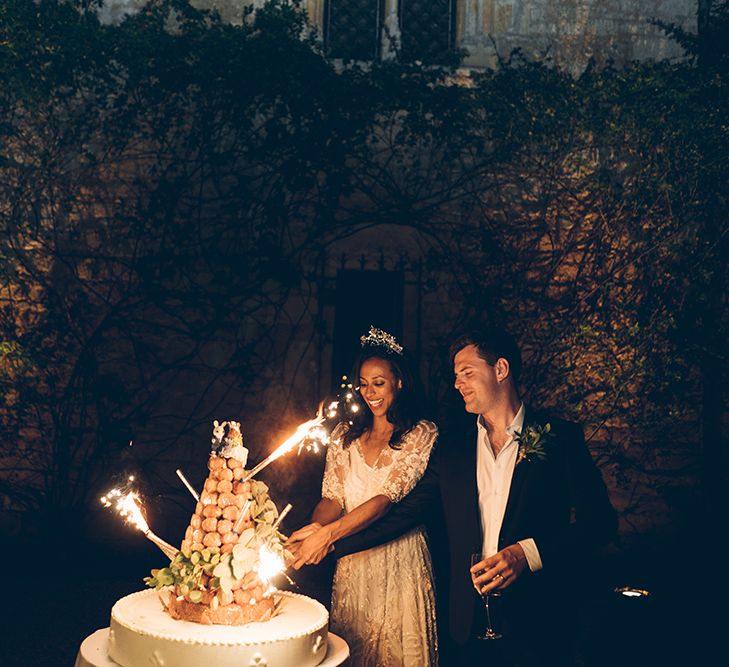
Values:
[(489, 632)]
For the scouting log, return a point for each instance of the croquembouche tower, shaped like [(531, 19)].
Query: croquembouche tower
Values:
[(220, 575)]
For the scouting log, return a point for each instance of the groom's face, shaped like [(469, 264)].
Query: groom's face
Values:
[(476, 380)]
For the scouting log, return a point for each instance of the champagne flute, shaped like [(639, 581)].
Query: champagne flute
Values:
[(489, 632)]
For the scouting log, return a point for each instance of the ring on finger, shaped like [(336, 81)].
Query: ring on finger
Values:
[(500, 576)]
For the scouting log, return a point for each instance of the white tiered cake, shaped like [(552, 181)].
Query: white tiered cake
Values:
[(142, 633), (213, 604)]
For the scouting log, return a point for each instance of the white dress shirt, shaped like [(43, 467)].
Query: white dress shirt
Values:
[(493, 475)]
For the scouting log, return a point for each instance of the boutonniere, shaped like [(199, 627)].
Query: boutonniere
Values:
[(531, 440)]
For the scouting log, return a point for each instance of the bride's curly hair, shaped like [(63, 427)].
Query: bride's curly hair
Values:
[(406, 410)]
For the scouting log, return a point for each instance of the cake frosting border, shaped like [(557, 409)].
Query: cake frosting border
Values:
[(315, 626)]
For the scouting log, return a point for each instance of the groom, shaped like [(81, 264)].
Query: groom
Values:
[(520, 485)]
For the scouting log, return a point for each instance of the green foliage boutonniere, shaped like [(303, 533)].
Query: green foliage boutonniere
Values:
[(531, 440)]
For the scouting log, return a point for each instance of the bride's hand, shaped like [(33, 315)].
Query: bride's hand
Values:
[(302, 533), (314, 547)]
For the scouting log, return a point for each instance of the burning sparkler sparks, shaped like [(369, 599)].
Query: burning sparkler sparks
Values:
[(302, 432), (270, 564), (128, 504), (315, 433)]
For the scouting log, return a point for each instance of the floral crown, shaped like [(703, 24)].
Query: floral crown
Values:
[(381, 338)]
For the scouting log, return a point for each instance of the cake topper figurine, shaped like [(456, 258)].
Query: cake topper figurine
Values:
[(227, 441), (379, 338)]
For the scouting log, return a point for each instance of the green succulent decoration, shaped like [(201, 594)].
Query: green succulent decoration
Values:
[(531, 440)]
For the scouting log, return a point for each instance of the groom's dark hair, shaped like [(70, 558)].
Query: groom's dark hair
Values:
[(492, 344)]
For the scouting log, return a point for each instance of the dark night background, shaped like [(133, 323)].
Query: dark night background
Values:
[(200, 219)]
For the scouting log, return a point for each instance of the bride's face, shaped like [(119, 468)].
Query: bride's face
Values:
[(378, 385)]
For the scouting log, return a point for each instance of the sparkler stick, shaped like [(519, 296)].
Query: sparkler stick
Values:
[(241, 518), (281, 516), (194, 493), (301, 432), (165, 547)]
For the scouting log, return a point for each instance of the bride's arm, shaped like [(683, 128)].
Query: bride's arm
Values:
[(319, 543), (331, 505), (360, 517), (326, 511), (406, 471)]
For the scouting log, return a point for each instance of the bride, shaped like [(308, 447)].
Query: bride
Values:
[(383, 600)]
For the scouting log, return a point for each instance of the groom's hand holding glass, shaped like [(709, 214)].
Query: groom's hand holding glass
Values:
[(497, 572)]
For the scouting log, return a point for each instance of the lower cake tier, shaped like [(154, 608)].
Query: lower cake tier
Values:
[(142, 633)]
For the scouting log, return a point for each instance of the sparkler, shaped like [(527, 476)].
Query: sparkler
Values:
[(301, 433), (269, 565), (314, 433), (127, 504), (241, 518), (281, 516), (194, 493)]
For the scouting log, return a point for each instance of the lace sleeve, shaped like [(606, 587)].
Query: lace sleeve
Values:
[(410, 461), (332, 486)]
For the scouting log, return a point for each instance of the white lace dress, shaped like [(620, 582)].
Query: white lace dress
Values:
[(383, 599)]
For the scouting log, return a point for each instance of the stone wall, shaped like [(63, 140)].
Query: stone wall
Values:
[(570, 32)]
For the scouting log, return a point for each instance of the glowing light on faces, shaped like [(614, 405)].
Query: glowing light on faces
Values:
[(378, 385), (475, 380)]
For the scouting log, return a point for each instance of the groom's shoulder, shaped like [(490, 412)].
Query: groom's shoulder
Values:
[(457, 424), (558, 425), (454, 434)]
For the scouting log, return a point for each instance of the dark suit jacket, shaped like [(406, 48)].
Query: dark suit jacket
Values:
[(561, 503)]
